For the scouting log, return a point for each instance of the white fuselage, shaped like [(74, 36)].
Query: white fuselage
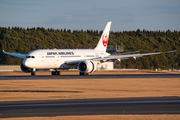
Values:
[(56, 58)]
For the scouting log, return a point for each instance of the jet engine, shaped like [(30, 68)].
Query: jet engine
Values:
[(24, 68), (87, 66)]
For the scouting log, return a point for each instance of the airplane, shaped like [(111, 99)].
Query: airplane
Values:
[(87, 60)]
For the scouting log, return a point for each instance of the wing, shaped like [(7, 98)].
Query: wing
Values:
[(115, 57), (122, 57), (15, 54)]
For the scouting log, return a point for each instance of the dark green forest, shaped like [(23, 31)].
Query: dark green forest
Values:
[(22, 40)]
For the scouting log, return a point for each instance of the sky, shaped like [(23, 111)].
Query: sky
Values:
[(126, 15)]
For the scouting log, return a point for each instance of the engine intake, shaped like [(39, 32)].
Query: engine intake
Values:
[(87, 66), (24, 68)]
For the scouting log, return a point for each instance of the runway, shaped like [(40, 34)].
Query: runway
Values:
[(164, 105), (100, 76)]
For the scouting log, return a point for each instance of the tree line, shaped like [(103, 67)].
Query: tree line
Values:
[(17, 39)]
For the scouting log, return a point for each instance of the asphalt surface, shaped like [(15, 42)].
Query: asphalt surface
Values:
[(164, 105), (28, 77)]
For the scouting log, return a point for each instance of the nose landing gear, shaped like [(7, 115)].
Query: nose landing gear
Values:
[(33, 72)]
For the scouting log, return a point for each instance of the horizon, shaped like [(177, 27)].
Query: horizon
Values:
[(85, 30)]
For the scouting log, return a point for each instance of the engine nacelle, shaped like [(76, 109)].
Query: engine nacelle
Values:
[(87, 66), (24, 68)]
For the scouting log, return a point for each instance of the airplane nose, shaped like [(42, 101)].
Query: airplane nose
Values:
[(27, 63)]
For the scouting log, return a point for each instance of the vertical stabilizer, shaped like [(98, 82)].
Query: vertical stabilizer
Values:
[(103, 42)]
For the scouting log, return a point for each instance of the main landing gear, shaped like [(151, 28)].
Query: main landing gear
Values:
[(55, 72), (80, 73)]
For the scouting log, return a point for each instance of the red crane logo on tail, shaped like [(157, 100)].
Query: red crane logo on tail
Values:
[(105, 40)]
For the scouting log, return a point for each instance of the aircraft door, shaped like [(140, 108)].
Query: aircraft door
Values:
[(102, 55), (83, 56), (42, 58)]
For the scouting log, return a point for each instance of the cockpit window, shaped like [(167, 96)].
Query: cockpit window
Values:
[(30, 57)]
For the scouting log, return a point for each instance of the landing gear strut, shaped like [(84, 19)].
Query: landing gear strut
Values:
[(33, 72), (55, 72)]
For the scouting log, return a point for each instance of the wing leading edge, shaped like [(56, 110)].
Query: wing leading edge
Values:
[(15, 54)]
